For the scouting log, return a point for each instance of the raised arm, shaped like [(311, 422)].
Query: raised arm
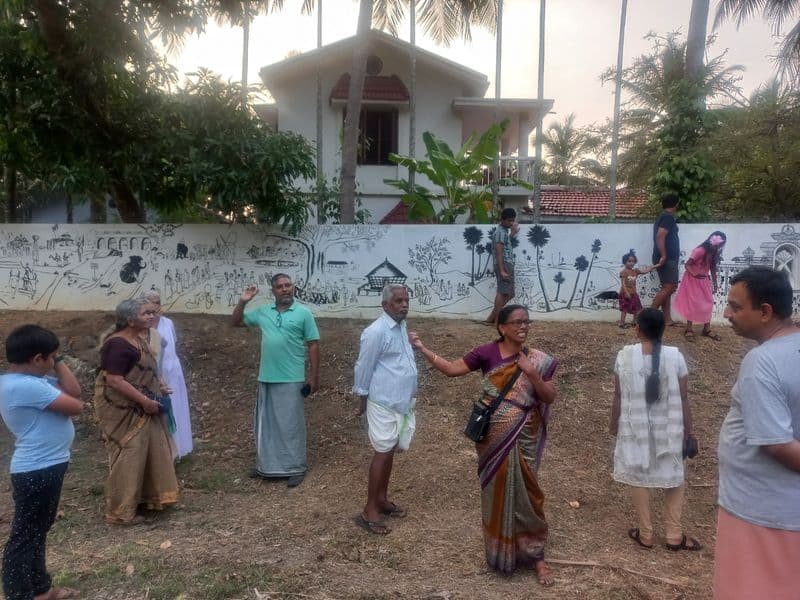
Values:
[(450, 368), (238, 312), (66, 379)]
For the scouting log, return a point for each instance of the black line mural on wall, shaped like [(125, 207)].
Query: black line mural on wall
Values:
[(562, 271)]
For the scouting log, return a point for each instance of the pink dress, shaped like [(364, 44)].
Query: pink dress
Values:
[(695, 299)]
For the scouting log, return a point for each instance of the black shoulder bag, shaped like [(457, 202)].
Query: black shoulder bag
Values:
[(478, 422)]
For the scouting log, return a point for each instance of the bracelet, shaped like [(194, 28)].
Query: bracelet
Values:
[(435, 358)]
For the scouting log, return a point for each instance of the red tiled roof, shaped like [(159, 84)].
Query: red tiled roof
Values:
[(560, 203), (589, 203), (376, 88)]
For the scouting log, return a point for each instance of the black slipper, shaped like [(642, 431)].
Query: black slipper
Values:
[(633, 533), (695, 547)]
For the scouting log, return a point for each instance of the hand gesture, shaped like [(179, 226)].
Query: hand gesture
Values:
[(151, 407), (414, 340), (249, 293), (164, 389), (515, 228)]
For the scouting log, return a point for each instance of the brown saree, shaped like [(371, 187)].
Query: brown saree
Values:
[(141, 470)]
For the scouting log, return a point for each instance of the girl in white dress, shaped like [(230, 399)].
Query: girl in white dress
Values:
[(651, 417)]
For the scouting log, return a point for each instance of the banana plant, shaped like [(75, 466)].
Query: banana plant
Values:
[(460, 175)]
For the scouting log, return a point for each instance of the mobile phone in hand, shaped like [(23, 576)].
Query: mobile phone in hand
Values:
[(305, 390)]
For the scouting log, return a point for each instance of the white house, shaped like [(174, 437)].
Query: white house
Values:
[(450, 102)]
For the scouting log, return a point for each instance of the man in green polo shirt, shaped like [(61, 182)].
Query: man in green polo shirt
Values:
[(287, 330)]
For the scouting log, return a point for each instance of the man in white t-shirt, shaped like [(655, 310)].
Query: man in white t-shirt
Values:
[(758, 529), (386, 384)]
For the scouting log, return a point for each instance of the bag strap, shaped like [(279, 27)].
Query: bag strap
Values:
[(507, 387)]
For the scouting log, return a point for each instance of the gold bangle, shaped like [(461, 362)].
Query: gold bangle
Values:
[(435, 357)]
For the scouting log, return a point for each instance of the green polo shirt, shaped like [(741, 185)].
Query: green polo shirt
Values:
[(283, 341)]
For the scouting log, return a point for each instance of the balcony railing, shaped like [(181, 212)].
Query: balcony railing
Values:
[(506, 169)]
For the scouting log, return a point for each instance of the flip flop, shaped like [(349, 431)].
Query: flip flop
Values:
[(376, 527), (710, 334), (394, 511), (633, 533), (695, 547), (689, 336)]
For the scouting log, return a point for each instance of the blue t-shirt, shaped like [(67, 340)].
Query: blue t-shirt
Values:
[(672, 244), (42, 437), (765, 410)]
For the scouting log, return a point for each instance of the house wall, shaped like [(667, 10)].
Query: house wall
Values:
[(435, 92), (203, 268)]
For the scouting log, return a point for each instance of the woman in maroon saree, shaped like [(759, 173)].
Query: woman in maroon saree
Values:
[(512, 503)]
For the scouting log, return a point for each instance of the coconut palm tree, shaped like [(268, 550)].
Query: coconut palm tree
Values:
[(538, 237), (612, 174), (581, 264), (696, 39), (564, 143), (443, 20), (473, 237), (778, 13), (596, 245)]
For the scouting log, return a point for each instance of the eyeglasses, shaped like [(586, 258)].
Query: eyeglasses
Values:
[(518, 323)]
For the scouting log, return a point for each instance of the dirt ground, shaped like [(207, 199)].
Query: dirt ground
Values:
[(234, 537)]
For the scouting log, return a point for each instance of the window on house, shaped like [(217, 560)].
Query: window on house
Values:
[(377, 136)]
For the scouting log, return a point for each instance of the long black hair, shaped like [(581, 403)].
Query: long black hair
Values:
[(714, 250), (651, 323)]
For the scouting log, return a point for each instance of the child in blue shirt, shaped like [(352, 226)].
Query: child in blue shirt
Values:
[(36, 408)]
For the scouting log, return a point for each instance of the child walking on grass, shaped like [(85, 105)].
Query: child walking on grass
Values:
[(629, 301), (36, 408)]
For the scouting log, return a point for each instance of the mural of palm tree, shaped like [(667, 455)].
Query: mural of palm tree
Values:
[(559, 279), (581, 264), (596, 245), (538, 236), (472, 236), (480, 250)]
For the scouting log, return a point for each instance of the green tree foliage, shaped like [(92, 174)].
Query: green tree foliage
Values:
[(102, 114), (757, 151), (459, 174), (665, 125), (778, 13)]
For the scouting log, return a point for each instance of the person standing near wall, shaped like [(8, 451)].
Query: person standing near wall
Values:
[(503, 255), (288, 330), (758, 521), (386, 385), (666, 254), (171, 372)]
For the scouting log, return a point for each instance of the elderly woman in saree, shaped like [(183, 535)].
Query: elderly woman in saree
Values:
[(172, 375), (514, 525), (128, 403)]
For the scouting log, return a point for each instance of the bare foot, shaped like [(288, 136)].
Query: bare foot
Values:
[(544, 573)]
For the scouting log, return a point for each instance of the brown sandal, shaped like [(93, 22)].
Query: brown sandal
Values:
[(710, 334)]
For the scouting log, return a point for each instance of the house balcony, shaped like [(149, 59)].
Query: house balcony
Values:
[(508, 171)]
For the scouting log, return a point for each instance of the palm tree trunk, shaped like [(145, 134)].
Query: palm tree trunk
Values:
[(68, 206), (498, 71), (612, 176), (245, 52), (10, 185), (412, 104), (320, 171), (537, 176), (541, 281), (696, 40), (586, 281), (97, 209), (574, 289), (353, 116)]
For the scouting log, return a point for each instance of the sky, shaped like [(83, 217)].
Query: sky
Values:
[(581, 40)]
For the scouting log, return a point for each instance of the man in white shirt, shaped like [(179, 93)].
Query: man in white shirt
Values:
[(386, 384)]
